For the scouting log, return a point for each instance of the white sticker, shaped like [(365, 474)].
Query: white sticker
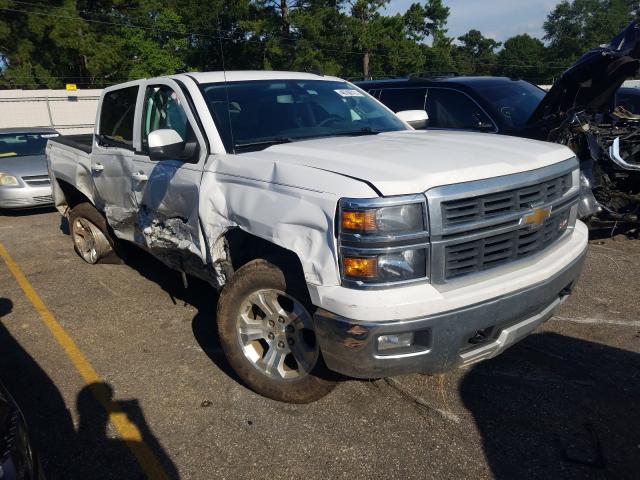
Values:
[(49, 135), (348, 93)]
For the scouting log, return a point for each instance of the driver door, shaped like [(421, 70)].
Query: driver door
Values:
[(167, 191)]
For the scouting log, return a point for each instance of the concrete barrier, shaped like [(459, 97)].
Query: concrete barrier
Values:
[(69, 112)]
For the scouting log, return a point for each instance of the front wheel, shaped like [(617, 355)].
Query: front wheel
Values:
[(266, 331)]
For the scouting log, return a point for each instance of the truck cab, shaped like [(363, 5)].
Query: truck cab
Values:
[(340, 239)]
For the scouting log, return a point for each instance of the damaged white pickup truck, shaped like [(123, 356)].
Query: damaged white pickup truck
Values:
[(339, 238)]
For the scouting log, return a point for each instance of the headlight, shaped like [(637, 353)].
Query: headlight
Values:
[(384, 220), (383, 241), (7, 180)]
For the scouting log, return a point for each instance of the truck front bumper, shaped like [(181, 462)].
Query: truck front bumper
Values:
[(446, 340)]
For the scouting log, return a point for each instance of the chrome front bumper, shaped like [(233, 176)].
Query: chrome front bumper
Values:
[(25, 197), (446, 340)]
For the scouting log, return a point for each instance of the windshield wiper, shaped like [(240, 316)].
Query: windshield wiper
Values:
[(357, 133), (264, 143), (349, 133)]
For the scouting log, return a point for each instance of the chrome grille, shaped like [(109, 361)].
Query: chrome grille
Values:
[(480, 208), (37, 180), (489, 252), (475, 226)]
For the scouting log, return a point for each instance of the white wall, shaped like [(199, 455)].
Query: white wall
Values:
[(69, 112)]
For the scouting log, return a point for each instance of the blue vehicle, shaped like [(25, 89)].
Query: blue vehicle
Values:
[(586, 109)]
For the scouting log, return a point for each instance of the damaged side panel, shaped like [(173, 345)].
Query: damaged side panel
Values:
[(72, 167), (167, 196), (259, 198), (111, 171)]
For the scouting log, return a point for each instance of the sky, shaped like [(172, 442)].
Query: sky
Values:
[(497, 19)]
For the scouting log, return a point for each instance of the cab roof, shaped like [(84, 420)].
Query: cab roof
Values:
[(249, 75)]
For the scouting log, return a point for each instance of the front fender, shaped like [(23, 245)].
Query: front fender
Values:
[(291, 208)]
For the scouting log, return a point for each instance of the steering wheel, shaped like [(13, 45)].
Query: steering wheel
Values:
[(330, 119)]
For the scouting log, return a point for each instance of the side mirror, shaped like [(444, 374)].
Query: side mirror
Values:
[(416, 118), (165, 144)]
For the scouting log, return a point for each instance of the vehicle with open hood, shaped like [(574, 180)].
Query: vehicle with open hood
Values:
[(339, 238), (578, 111)]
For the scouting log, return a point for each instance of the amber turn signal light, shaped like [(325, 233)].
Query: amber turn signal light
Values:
[(357, 267), (359, 220)]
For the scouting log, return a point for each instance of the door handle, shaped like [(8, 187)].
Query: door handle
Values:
[(140, 177), (97, 167)]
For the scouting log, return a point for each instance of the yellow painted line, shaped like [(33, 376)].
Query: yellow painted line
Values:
[(127, 430)]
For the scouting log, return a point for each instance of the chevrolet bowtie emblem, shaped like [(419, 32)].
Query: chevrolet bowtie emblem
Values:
[(537, 217)]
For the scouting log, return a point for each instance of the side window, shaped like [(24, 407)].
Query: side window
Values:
[(163, 109), (399, 99), (451, 109), (117, 115)]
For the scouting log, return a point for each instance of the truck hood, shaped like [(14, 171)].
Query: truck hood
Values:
[(591, 83), (404, 162)]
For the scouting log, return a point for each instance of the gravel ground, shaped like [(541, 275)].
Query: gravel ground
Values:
[(563, 403)]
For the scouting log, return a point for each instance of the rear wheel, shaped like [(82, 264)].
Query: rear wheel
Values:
[(267, 333), (90, 234)]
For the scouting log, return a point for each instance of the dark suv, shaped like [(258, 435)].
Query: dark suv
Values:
[(484, 104)]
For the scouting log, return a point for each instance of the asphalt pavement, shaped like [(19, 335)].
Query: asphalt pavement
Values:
[(563, 403)]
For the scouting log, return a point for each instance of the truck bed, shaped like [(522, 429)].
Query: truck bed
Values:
[(82, 142), (69, 161)]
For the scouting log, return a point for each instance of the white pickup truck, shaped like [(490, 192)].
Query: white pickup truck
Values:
[(339, 238)]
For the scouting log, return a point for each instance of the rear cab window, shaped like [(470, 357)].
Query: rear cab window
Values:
[(117, 117)]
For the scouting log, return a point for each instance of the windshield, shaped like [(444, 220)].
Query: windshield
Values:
[(514, 100), (22, 144), (253, 115)]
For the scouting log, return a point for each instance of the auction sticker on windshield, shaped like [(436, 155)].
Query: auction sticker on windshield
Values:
[(348, 93)]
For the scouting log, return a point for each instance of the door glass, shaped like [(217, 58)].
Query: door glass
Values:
[(399, 99), (117, 114), (451, 109), (163, 109)]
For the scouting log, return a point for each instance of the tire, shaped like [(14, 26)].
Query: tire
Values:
[(266, 332), (90, 234)]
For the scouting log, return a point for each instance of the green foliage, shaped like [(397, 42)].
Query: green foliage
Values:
[(523, 57), (94, 43), (575, 26), (476, 53)]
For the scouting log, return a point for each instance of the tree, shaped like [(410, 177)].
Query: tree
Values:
[(394, 45), (575, 26), (522, 57), (476, 53)]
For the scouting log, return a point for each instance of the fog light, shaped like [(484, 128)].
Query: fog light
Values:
[(360, 267), (398, 340)]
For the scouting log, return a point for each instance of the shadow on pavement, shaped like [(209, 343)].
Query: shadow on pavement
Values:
[(199, 294), (571, 409), (25, 212), (66, 452)]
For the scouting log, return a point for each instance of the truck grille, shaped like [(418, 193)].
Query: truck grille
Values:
[(477, 209), (37, 180), (479, 225), (489, 252)]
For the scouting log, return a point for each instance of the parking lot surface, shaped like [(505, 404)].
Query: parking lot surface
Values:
[(563, 403)]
